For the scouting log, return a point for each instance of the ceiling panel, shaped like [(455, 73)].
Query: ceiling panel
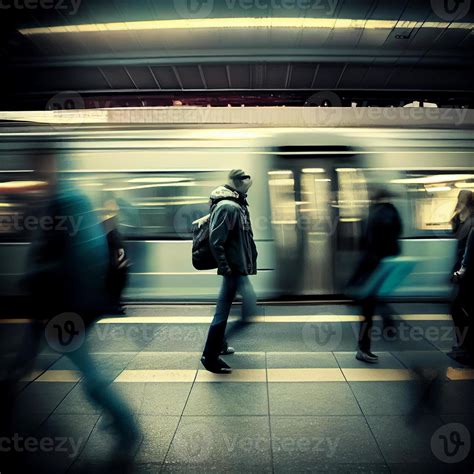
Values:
[(118, 77), (240, 75), (166, 77), (377, 76), (190, 77), (302, 76), (352, 77), (276, 75), (216, 76), (142, 77), (328, 75)]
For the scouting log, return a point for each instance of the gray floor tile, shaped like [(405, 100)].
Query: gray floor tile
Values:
[(405, 438), (307, 398), (158, 432), (289, 360), (101, 445), (178, 338), (426, 360), (430, 468), (347, 360), (45, 361), (69, 434), (454, 398), (43, 397), (165, 361), (245, 361), (132, 393), (228, 398), (342, 468), (217, 468), (164, 398), (77, 403), (239, 443), (104, 362), (389, 398), (322, 440)]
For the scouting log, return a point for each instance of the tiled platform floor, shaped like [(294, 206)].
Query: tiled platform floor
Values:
[(297, 401)]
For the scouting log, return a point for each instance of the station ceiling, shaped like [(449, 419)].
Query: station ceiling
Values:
[(115, 53)]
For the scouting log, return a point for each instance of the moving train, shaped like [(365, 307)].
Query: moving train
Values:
[(309, 198)]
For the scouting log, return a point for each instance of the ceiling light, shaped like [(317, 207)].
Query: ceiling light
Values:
[(235, 23)]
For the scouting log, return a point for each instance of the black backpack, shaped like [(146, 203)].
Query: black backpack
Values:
[(202, 255)]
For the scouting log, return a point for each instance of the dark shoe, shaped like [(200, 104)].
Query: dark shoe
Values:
[(367, 357), (227, 350), (216, 366)]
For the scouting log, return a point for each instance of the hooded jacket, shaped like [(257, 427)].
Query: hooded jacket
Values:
[(230, 233)]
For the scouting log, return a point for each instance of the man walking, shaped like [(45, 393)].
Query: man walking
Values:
[(233, 247), (381, 240)]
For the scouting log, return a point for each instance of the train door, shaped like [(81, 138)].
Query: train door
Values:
[(302, 193), (352, 208)]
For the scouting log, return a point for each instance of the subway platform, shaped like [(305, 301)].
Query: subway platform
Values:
[(297, 400)]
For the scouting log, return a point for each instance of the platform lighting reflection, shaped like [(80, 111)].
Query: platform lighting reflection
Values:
[(158, 180), (438, 189), (144, 186), (236, 23), (439, 178), (464, 185)]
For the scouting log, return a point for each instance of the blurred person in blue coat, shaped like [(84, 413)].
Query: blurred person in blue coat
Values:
[(383, 229), (66, 280)]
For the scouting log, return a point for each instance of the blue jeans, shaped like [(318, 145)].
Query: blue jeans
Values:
[(231, 285)]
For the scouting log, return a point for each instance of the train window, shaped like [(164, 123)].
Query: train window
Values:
[(154, 205), (433, 196), (352, 195), (282, 196), (20, 201)]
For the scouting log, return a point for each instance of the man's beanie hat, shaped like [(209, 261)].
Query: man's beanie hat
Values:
[(237, 174)]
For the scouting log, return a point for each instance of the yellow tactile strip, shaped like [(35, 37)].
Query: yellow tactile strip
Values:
[(255, 375), (460, 374)]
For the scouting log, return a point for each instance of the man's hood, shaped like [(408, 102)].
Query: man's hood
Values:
[(223, 192)]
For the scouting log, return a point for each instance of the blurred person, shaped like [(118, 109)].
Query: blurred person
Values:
[(67, 271), (232, 244), (462, 223), (464, 302), (383, 229), (118, 265)]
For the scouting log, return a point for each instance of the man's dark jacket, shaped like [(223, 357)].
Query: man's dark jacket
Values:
[(230, 234), (381, 239)]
